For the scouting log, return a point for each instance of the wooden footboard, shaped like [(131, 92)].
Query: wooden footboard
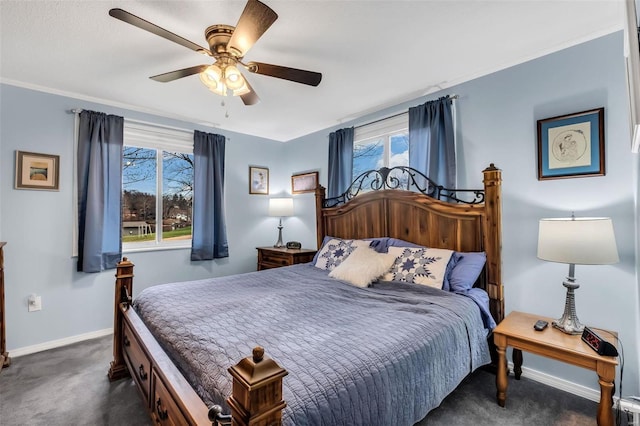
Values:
[(168, 397)]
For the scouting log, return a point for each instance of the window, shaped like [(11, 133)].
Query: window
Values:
[(384, 143), (157, 187)]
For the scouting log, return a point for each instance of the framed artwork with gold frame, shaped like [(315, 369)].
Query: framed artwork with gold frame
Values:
[(304, 182), (37, 171), (258, 180)]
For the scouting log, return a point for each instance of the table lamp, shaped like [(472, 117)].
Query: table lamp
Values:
[(576, 241), (280, 207)]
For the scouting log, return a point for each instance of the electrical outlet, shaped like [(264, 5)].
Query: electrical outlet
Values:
[(35, 303)]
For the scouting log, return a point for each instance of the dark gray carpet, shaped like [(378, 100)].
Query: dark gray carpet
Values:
[(69, 386), (529, 403)]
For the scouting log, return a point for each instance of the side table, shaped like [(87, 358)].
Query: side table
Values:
[(275, 257), (516, 330)]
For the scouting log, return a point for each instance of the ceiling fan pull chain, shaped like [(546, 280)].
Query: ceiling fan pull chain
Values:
[(224, 105)]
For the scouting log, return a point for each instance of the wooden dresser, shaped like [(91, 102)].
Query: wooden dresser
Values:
[(275, 257), (4, 356)]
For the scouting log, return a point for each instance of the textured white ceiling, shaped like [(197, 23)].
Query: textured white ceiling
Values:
[(372, 54)]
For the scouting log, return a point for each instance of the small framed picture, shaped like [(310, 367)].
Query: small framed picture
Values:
[(571, 145), (305, 182), (258, 180), (37, 171)]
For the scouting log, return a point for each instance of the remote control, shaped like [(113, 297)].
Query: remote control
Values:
[(540, 325)]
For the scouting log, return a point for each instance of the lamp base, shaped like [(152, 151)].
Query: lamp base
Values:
[(569, 322), (279, 243), (568, 325)]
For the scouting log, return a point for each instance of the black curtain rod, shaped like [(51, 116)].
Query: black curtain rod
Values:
[(394, 115)]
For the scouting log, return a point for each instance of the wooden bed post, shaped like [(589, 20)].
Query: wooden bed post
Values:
[(123, 291), (256, 398), (493, 239), (320, 194)]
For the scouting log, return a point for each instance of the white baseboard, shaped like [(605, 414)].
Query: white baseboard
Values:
[(14, 353), (555, 382), (626, 405)]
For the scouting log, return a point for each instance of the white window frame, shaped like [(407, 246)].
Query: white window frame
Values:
[(161, 138)]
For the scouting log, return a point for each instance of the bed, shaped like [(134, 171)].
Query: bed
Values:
[(381, 354)]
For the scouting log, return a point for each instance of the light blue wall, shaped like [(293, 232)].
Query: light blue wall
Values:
[(496, 122), (37, 225)]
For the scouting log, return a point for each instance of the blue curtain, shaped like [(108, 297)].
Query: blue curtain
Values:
[(431, 141), (209, 227), (340, 161), (100, 138)]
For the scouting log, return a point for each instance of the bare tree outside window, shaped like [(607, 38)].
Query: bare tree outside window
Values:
[(142, 215)]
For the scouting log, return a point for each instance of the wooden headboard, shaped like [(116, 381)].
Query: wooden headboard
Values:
[(423, 219)]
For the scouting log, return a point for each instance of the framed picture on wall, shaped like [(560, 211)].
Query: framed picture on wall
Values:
[(304, 182), (258, 180), (571, 145), (37, 171)]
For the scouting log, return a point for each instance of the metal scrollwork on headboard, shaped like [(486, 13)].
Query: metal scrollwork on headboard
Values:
[(406, 178)]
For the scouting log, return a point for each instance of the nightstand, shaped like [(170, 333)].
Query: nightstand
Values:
[(275, 257), (516, 330)]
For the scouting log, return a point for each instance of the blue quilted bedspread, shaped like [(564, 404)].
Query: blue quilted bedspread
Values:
[(383, 355)]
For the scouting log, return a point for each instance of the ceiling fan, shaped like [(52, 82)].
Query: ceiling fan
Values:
[(227, 45)]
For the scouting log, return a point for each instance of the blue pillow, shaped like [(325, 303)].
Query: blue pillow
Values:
[(379, 244), (396, 242), (453, 261), (466, 271)]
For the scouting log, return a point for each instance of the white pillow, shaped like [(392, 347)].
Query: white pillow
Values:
[(363, 266), (425, 266), (335, 251)]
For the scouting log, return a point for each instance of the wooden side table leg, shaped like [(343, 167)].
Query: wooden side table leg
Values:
[(517, 363), (5, 361), (501, 376), (606, 375)]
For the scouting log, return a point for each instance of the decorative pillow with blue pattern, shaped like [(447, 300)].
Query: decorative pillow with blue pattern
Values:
[(426, 266), (335, 251)]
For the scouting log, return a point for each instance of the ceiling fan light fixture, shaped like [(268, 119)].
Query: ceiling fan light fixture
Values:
[(214, 72), (212, 78), (233, 78)]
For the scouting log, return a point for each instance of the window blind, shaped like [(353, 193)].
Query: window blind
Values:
[(157, 137), (396, 123)]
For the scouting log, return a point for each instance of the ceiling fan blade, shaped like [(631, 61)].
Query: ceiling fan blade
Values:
[(256, 18), (174, 75), (292, 74), (129, 18), (250, 98)]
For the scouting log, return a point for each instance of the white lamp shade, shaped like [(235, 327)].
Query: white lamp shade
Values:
[(281, 207), (581, 241)]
